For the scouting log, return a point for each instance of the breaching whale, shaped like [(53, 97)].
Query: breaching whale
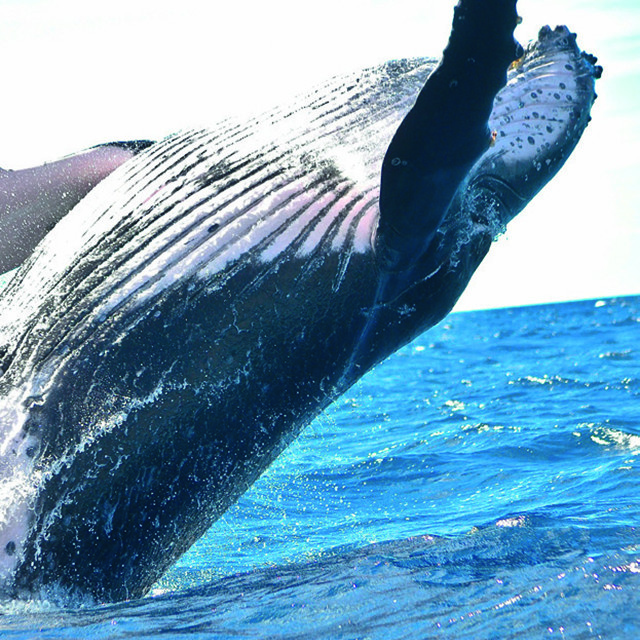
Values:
[(204, 302)]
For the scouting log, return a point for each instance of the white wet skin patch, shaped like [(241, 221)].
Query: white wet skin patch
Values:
[(17, 483), (542, 108)]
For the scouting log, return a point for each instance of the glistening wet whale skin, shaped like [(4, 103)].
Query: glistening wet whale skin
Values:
[(204, 302)]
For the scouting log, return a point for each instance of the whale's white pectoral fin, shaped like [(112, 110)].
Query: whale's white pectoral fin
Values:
[(537, 120), (33, 200)]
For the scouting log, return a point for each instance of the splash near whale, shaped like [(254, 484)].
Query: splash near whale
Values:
[(204, 302)]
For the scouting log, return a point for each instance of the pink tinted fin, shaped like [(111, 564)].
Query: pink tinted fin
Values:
[(33, 200)]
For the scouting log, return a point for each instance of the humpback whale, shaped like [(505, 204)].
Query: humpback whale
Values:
[(218, 290)]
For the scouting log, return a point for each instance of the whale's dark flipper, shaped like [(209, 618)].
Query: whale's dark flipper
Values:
[(33, 200), (203, 303), (445, 132)]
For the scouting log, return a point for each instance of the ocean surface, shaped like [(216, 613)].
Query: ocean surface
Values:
[(481, 483)]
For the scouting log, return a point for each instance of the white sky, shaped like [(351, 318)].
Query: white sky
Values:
[(76, 73)]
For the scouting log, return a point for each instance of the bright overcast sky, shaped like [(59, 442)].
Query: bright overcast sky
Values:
[(76, 73)]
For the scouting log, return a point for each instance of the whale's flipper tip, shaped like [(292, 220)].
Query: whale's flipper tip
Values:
[(537, 120), (560, 39)]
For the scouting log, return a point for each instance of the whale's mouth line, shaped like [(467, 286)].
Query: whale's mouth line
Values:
[(498, 187)]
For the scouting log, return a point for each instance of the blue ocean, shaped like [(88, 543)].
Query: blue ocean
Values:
[(481, 483)]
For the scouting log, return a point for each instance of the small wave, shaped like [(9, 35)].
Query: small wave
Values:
[(627, 354), (546, 381)]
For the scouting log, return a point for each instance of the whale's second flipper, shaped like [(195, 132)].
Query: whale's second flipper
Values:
[(33, 200), (536, 122)]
